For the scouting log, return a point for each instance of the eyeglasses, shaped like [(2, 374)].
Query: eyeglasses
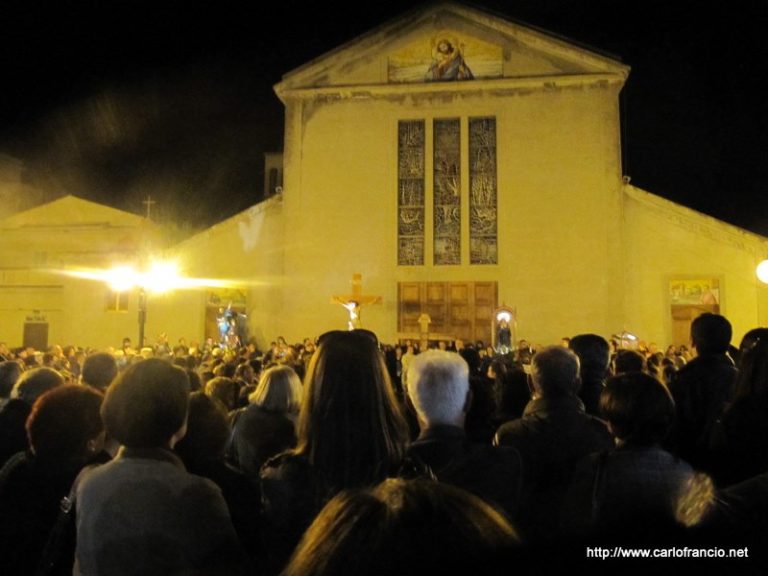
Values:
[(361, 333)]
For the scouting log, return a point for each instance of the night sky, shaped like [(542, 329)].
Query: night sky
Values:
[(116, 100)]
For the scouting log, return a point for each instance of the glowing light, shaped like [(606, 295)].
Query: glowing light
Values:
[(503, 316), (161, 277), (762, 271), (121, 278)]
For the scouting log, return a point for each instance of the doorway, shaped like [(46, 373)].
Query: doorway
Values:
[(690, 298), (462, 309), (36, 335)]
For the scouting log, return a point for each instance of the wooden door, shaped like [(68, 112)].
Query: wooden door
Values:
[(36, 335), (463, 310)]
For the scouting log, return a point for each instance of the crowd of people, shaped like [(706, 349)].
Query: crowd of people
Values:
[(341, 455)]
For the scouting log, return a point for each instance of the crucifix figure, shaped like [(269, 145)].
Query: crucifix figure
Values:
[(353, 302), (148, 203)]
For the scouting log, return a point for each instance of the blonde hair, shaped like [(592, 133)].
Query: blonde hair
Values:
[(279, 390)]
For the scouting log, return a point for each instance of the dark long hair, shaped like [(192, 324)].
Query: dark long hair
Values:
[(350, 430), (752, 378)]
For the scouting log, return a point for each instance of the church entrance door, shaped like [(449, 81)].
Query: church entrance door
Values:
[(463, 310)]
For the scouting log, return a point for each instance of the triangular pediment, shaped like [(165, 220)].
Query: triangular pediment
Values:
[(445, 42), (72, 211)]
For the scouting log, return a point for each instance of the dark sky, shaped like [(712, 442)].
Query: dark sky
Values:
[(113, 100)]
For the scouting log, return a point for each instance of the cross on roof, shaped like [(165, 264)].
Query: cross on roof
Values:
[(148, 203)]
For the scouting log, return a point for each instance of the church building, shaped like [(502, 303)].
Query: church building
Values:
[(448, 165), (456, 163)]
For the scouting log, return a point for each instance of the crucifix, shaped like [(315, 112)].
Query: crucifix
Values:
[(148, 203), (353, 302)]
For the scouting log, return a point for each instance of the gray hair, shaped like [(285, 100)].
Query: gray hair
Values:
[(438, 382)]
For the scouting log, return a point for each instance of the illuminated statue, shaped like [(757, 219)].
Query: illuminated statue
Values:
[(354, 314), (353, 302), (504, 337)]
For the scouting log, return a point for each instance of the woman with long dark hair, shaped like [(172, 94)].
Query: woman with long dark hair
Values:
[(351, 434), (740, 439)]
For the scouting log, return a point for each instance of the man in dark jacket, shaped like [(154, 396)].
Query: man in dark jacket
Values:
[(702, 389), (439, 390), (552, 436)]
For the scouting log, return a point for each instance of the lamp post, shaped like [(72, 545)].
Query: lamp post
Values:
[(142, 315), (160, 277)]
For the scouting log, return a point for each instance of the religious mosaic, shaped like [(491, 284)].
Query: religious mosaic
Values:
[(444, 57), (447, 191), (410, 194), (483, 221), (695, 291)]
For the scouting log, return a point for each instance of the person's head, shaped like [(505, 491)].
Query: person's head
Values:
[(711, 334), (638, 408), (244, 372), (555, 372), (10, 372), (146, 405), (65, 424), (438, 385), (279, 390), (35, 382), (207, 432), (195, 382), (224, 390), (594, 354), (405, 527), (752, 377), (749, 340), (350, 425), (99, 369), (500, 367), (628, 361), (472, 358)]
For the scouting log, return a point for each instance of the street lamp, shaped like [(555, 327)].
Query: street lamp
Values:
[(159, 278), (762, 271)]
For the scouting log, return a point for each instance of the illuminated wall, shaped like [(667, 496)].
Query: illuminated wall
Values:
[(247, 252)]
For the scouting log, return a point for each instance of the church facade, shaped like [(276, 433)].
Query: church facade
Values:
[(448, 164), (459, 162)]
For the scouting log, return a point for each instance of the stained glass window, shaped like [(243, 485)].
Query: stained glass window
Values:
[(447, 191), (410, 197), (483, 227)]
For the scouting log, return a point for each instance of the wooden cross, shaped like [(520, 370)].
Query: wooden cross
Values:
[(424, 322), (424, 335), (148, 203), (353, 302)]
